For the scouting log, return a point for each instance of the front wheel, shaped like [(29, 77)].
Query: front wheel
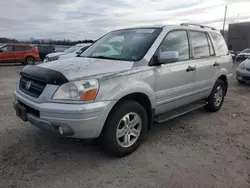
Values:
[(124, 129), (216, 98)]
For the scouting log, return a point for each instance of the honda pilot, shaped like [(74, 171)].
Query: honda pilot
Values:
[(151, 74)]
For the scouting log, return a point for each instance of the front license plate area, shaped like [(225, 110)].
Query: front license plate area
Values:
[(21, 112)]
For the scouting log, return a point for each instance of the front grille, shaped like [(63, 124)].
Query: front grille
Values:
[(31, 86), (245, 77)]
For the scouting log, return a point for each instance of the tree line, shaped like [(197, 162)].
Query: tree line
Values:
[(45, 41)]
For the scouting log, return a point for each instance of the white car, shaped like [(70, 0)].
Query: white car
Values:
[(71, 52), (243, 55)]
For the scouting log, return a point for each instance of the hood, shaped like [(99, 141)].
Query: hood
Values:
[(244, 53), (54, 54), (66, 56), (247, 63), (80, 67)]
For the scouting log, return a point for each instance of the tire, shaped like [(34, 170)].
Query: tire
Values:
[(117, 145), (241, 82), (29, 61), (213, 104)]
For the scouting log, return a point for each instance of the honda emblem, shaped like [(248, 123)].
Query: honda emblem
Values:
[(28, 85)]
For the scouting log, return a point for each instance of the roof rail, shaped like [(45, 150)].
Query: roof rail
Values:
[(198, 25)]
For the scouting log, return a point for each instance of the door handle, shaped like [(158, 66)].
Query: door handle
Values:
[(216, 64), (190, 69)]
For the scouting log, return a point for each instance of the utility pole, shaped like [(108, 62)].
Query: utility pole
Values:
[(224, 23)]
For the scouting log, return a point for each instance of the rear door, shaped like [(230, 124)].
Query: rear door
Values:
[(203, 55), (7, 53), (21, 52), (175, 81), (223, 57)]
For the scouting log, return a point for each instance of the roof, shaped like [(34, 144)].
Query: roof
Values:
[(18, 44), (184, 26)]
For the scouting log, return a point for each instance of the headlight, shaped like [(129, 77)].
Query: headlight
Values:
[(84, 90), (46, 59), (242, 66), (54, 58)]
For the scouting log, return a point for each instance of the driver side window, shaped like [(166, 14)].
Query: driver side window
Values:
[(176, 41), (7, 48)]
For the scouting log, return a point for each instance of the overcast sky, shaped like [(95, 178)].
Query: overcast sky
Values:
[(89, 19)]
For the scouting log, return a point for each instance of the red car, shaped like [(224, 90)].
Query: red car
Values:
[(23, 53)]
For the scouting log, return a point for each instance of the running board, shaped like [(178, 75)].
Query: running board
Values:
[(179, 111)]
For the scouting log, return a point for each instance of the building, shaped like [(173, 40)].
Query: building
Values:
[(239, 36), (225, 34)]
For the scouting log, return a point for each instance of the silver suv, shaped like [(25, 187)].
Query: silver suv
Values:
[(124, 82)]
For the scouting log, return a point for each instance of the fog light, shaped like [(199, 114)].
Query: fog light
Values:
[(60, 129)]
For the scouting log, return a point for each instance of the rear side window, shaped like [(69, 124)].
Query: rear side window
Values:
[(22, 48), (51, 48), (220, 44), (42, 49), (177, 41), (200, 44)]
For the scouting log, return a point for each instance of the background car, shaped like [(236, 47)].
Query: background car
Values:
[(23, 53), (71, 52), (43, 50), (243, 72), (243, 55)]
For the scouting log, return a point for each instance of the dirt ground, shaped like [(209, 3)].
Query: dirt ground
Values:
[(199, 149)]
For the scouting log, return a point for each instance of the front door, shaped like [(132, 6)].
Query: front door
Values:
[(7, 54), (175, 81)]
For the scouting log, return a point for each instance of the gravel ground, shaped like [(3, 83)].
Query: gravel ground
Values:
[(199, 149)]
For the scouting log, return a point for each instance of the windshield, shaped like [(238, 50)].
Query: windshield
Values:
[(72, 49), (246, 51), (128, 44)]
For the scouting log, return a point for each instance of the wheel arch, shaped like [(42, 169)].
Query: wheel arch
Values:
[(225, 80), (142, 99)]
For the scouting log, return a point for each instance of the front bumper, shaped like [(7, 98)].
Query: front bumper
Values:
[(82, 120), (243, 75)]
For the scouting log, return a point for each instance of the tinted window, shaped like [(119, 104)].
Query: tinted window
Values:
[(200, 44), (51, 48), (42, 49), (211, 49), (22, 48), (7, 48), (177, 41), (220, 44)]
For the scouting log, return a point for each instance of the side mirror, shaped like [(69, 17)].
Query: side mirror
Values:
[(78, 52), (1, 51), (168, 57)]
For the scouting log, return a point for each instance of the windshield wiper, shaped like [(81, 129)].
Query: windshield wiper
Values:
[(102, 57)]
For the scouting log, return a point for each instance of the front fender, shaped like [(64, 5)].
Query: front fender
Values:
[(120, 86)]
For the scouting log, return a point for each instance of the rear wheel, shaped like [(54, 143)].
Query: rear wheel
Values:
[(124, 129), (29, 61), (216, 98)]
